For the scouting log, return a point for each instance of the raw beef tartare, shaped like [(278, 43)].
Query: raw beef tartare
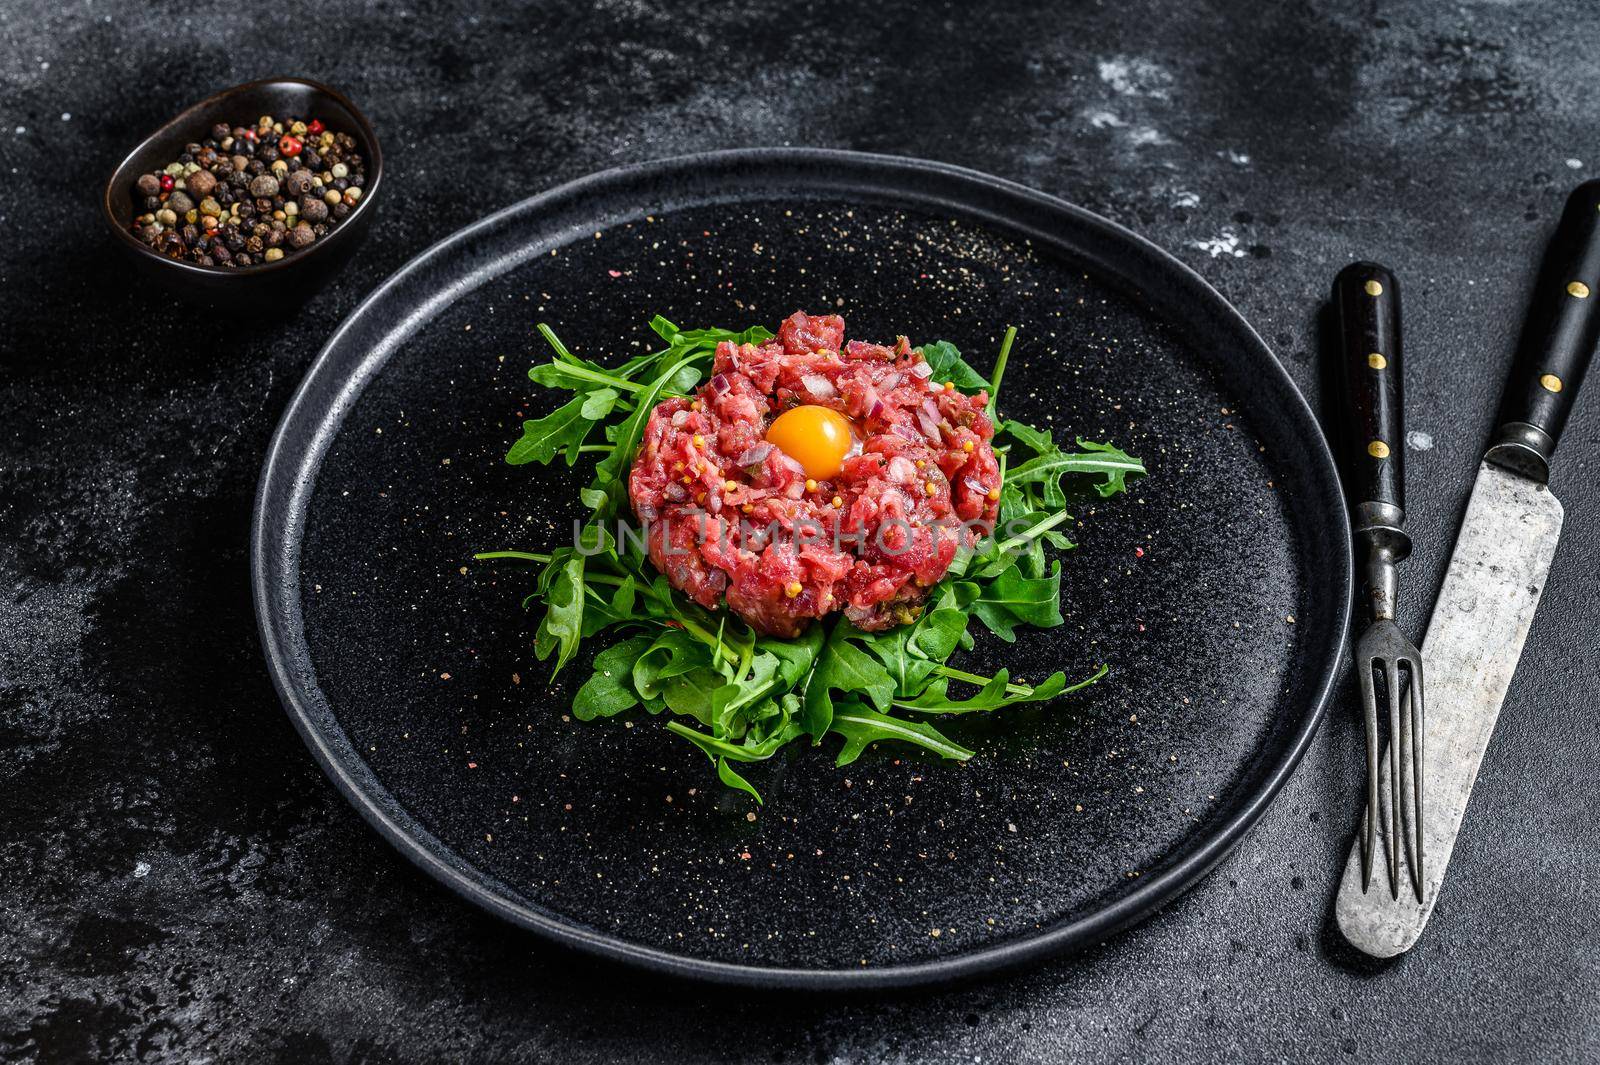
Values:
[(811, 474)]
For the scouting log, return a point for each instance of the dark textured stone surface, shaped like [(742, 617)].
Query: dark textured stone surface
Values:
[(177, 882)]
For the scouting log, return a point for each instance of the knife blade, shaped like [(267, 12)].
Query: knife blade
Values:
[(1495, 578)]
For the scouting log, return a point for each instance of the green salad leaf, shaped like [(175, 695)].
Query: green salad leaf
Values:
[(741, 696)]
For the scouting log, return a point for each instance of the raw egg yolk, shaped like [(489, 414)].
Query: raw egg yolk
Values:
[(818, 438)]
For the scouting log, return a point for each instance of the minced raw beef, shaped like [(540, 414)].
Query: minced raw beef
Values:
[(731, 517)]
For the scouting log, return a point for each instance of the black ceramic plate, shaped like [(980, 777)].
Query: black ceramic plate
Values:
[(1217, 590)]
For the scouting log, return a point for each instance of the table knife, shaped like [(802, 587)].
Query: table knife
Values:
[(1495, 577)]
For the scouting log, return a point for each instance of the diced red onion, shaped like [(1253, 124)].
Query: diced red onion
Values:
[(818, 385), (902, 470), (928, 419), (878, 408), (679, 418), (675, 492), (754, 454), (719, 384), (921, 369)]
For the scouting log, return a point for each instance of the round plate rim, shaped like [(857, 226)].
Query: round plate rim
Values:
[(283, 476)]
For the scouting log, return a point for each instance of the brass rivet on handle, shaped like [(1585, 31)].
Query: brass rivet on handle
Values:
[(1578, 289), (1373, 288), (1378, 449), (1550, 382), (1377, 361)]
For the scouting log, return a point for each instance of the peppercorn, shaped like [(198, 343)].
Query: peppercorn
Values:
[(202, 183), (244, 195)]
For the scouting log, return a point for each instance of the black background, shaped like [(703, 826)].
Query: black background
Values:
[(178, 882)]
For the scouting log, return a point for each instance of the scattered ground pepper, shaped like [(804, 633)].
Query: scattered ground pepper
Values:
[(250, 194)]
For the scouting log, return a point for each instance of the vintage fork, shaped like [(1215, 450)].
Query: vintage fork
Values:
[(1367, 298)]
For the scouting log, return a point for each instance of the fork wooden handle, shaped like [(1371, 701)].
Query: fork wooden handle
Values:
[(1367, 299), (1557, 342)]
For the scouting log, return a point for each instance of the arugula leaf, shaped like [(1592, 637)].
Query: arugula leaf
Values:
[(563, 430), (1110, 464), (1010, 599), (729, 776), (860, 725), (562, 626), (996, 694), (948, 365), (599, 403), (609, 691), (843, 667)]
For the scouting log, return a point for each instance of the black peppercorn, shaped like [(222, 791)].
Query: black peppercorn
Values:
[(152, 203), (255, 245), (221, 253), (219, 131), (341, 210), (269, 153), (190, 233), (205, 260), (243, 260), (311, 159), (235, 240)]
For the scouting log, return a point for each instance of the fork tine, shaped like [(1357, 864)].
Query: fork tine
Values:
[(1418, 731), (1392, 678), (1369, 705)]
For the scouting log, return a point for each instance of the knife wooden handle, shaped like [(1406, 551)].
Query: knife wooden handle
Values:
[(1557, 342), (1367, 298)]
